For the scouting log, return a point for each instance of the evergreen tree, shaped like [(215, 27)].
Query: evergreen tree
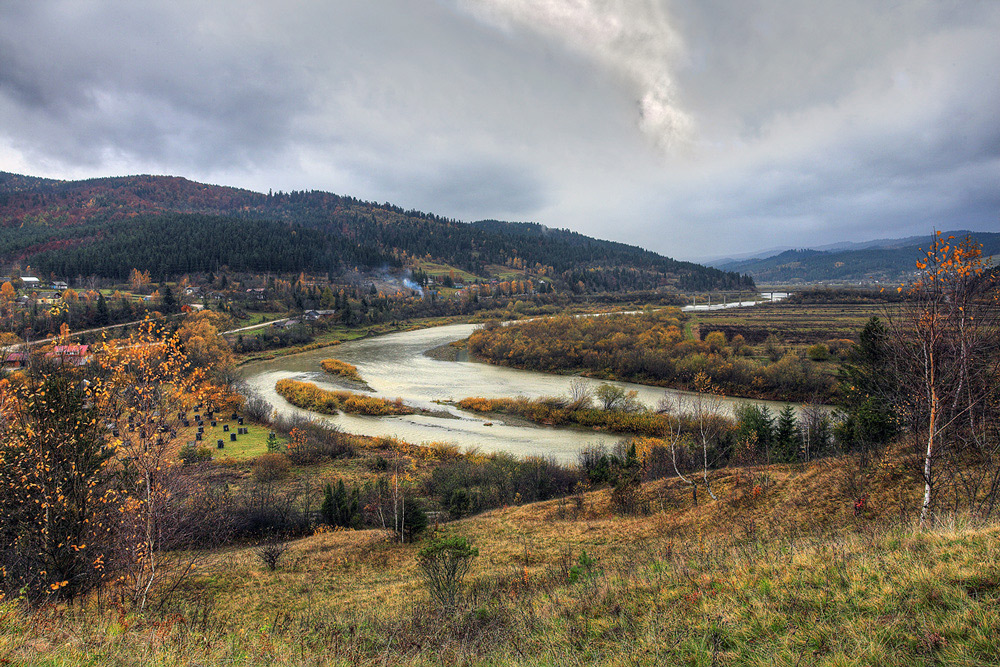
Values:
[(757, 423), (786, 436), (168, 302), (868, 391), (340, 508), (102, 310)]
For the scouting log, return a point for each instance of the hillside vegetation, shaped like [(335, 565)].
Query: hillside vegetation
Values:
[(75, 225), (789, 574), (652, 348)]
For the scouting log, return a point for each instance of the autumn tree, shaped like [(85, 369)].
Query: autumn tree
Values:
[(199, 334), (706, 409), (944, 341), (138, 279), (62, 504), (7, 296), (84, 472)]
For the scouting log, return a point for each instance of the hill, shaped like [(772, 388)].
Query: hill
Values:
[(72, 227), (770, 577), (887, 260)]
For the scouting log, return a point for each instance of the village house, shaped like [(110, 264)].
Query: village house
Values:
[(14, 360), (48, 298), (60, 286), (71, 355)]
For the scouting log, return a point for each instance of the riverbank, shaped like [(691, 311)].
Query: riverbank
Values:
[(395, 365)]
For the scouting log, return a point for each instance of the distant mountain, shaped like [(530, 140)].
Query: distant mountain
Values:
[(171, 225), (870, 261)]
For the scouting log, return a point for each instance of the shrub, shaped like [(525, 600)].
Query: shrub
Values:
[(444, 562), (255, 406), (818, 352), (341, 368), (271, 553), (314, 441), (585, 568), (271, 467), (716, 341), (194, 455)]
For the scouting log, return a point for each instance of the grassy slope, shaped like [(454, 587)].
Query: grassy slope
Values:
[(787, 576)]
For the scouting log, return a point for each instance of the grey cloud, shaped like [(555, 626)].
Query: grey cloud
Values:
[(803, 121)]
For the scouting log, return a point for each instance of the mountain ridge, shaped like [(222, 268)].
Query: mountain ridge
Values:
[(869, 261), (52, 224)]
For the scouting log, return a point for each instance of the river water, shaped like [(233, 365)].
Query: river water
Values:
[(395, 365)]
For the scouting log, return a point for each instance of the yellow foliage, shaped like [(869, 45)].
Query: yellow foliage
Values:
[(308, 396)]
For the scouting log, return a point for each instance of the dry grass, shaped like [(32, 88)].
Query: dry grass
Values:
[(787, 575)]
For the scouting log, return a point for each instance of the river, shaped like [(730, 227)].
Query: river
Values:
[(395, 365)]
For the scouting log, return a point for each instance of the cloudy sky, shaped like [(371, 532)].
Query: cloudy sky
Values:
[(691, 127)]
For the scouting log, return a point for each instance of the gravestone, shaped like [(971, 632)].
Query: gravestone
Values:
[(232, 437), (219, 444)]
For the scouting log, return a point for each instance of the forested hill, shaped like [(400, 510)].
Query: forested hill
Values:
[(891, 262), (74, 227)]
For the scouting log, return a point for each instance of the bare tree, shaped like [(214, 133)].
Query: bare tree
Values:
[(673, 407), (706, 407), (581, 394)]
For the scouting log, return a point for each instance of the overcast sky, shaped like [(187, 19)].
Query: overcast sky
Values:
[(690, 127)]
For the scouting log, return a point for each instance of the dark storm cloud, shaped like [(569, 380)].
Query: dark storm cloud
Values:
[(694, 127), (80, 80)]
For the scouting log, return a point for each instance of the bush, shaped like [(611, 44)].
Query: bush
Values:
[(271, 467), (818, 352), (314, 441), (271, 553), (194, 455), (341, 368), (444, 562), (467, 487)]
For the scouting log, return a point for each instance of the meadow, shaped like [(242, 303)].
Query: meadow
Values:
[(794, 324), (790, 574)]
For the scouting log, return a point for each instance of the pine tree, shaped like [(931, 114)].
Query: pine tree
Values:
[(102, 310), (168, 302), (869, 390), (786, 436)]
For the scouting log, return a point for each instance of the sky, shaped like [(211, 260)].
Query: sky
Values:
[(694, 128)]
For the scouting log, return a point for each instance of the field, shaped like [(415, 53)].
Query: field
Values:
[(247, 446), (791, 322), (787, 576)]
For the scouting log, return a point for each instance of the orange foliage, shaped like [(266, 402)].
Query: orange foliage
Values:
[(309, 396)]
